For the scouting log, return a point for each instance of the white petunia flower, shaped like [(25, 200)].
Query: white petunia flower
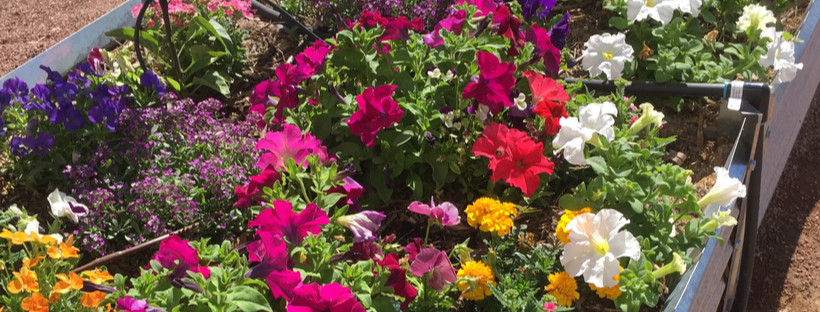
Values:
[(521, 101), (435, 73), (62, 205), (690, 6), (648, 116), (780, 55), (725, 191), (719, 219), (593, 120), (757, 16), (606, 54), (659, 10), (596, 243), (34, 226)]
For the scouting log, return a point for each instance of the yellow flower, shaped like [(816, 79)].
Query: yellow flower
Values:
[(608, 292), (561, 232), (65, 285), (482, 274), (45, 239), (35, 303), (93, 299), (66, 250), (563, 288), (26, 280), (29, 263), (490, 215), (97, 276), (18, 238)]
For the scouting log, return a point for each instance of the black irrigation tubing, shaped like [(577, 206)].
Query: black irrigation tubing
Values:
[(279, 14), (168, 33)]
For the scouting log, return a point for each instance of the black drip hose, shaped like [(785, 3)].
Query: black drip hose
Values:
[(279, 14), (169, 34), (137, 27)]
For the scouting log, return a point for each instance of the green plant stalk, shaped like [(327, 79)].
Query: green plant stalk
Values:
[(427, 233)]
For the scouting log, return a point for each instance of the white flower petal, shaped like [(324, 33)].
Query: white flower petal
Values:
[(32, 226), (607, 222), (624, 244), (57, 202), (578, 257)]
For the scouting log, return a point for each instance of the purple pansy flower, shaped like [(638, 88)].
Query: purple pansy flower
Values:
[(53, 75), (530, 7), (17, 148), (18, 89), (65, 93), (79, 79), (558, 34), (74, 119), (40, 144), (2, 126), (149, 80)]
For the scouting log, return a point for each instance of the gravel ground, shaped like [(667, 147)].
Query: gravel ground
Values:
[(788, 257), (29, 27)]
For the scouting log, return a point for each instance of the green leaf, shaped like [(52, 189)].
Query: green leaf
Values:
[(402, 138), (377, 180), (214, 80), (175, 85), (619, 22), (708, 17), (598, 164), (247, 299), (320, 126), (415, 184), (217, 31), (383, 304), (146, 39)]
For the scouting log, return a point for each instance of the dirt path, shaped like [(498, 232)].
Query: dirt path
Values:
[(788, 254), (29, 27)]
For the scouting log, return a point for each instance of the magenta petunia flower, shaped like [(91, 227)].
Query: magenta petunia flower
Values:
[(376, 111), (288, 143), (292, 226), (544, 48), (324, 298), (311, 60), (414, 248), (454, 23), (398, 280), (399, 28), (445, 214), (248, 193), (484, 6), (174, 249), (508, 26), (272, 253), (494, 84), (352, 189), (129, 304), (364, 225), (278, 93), (437, 264)]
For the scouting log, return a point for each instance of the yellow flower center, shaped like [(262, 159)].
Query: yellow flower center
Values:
[(601, 246), (608, 56), (649, 3)]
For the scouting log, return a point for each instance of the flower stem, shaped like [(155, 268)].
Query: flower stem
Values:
[(427, 233), (304, 191)]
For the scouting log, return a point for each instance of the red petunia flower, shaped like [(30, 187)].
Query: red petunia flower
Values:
[(376, 111), (399, 28), (544, 48), (508, 26), (398, 280), (524, 161), (546, 92), (367, 20), (495, 83), (492, 144)]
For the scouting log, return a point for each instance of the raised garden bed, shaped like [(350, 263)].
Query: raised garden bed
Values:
[(378, 118)]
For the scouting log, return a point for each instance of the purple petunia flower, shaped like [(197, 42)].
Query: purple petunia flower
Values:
[(17, 148), (40, 144), (149, 80), (364, 225), (18, 89), (530, 7), (558, 34)]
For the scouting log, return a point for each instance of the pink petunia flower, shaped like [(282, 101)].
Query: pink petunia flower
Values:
[(324, 298), (311, 60), (437, 264), (399, 28), (484, 6), (377, 111), (286, 144), (352, 189), (544, 48), (248, 193), (508, 26), (445, 214), (454, 23), (175, 249), (414, 248), (272, 253), (292, 226), (495, 83)]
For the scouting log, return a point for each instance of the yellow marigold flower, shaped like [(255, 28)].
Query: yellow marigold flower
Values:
[(608, 292), (482, 274), (29, 263), (18, 238), (490, 215), (35, 303), (97, 276), (561, 231), (93, 299), (563, 288), (25, 280)]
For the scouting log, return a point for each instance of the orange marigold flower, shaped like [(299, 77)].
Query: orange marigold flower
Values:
[(18, 238), (29, 263), (561, 231), (490, 215), (25, 280), (482, 274), (97, 276), (92, 299), (35, 303), (563, 288), (608, 292)]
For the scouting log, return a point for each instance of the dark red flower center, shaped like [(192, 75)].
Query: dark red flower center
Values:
[(499, 152), (520, 163)]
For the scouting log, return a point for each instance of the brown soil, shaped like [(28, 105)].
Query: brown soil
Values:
[(787, 257), (29, 27)]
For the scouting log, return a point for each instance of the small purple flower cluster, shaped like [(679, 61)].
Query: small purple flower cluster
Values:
[(174, 165), (429, 11)]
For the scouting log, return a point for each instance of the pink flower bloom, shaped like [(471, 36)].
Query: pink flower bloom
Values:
[(272, 252), (311, 60), (544, 48), (631, 105), (259, 111), (278, 93), (438, 264), (174, 249), (376, 111), (326, 298), (445, 214), (364, 225), (550, 306), (129, 304), (248, 193), (399, 28), (508, 26), (292, 226), (398, 280), (484, 6), (352, 189), (212, 7), (135, 11), (495, 83), (95, 59), (286, 144), (413, 248), (633, 119), (454, 23)]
